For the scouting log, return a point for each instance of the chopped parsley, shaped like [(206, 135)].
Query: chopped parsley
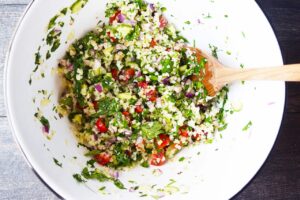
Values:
[(181, 159), (214, 50), (78, 178), (247, 126), (119, 184), (57, 162), (102, 188)]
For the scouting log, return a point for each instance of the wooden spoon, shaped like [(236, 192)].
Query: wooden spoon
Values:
[(217, 75)]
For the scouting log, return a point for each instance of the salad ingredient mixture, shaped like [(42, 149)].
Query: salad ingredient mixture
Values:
[(133, 89)]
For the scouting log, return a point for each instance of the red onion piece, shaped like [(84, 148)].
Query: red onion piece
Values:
[(138, 74), (121, 17), (151, 5), (70, 67), (57, 30), (115, 174), (166, 81), (95, 137), (189, 95), (131, 22), (45, 129), (98, 87)]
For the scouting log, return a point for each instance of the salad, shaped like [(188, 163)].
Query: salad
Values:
[(133, 89)]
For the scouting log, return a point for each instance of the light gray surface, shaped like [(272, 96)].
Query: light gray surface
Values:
[(17, 180)]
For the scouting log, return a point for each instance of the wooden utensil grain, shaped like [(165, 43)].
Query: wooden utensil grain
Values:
[(217, 75)]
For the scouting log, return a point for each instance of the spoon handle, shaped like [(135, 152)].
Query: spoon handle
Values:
[(283, 73)]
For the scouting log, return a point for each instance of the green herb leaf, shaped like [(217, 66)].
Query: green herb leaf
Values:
[(167, 65), (214, 50), (57, 162), (77, 5), (78, 178), (93, 152), (94, 174), (45, 123), (181, 159), (145, 164), (52, 22), (91, 162), (247, 126), (108, 106), (151, 129), (102, 188), (119, 184)]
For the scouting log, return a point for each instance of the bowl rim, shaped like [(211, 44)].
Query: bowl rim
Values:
[(51, 186), (6, 103)]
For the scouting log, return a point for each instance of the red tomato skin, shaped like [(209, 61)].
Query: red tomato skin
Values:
[(102, 158), (101, 126), (115, 73), (152, 43), (139, 109), (163, 22), (143, 84), (165, 141), (113, 18), (151, 95), (158, 159), (129, 73), (183, 132)]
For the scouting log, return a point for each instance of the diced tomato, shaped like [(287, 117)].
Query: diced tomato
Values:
[(102, 158), (163, 22), (139, 109), (152, 43), (115, 73), (114, 17), (196, 137), (158, 159), (101, 126), (125, 113), (112, 39), (183, 132), (168, 49), (143, 84), (129, 73), (151, 95), (95, 104), (164, 140)]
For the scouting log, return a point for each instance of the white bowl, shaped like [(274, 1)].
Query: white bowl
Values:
[(221, 169)]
